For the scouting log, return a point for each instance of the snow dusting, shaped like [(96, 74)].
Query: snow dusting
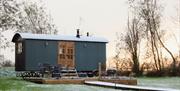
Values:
[(62, 37)]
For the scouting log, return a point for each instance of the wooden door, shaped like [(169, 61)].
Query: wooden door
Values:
[(66, 54)]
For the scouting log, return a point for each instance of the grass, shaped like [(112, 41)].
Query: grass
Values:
[(17, 84), (11, 83), (8, 82), (163, 82)]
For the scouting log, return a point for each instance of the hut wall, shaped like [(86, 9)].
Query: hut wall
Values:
[(40, 52), (88, 55)]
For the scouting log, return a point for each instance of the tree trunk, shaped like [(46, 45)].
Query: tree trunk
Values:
[(135, 68), (152, 46), (158, 58), (174, 60)]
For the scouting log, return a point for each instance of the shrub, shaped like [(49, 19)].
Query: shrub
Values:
[(7, 63)]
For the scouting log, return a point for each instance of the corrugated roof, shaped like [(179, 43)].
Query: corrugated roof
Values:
[(60, 37)]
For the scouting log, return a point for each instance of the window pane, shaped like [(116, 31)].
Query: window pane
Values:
[(19, 48), (63, 50), (71, 51), (60, 51)]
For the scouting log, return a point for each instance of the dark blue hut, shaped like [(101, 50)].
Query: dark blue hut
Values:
[(80, 52)]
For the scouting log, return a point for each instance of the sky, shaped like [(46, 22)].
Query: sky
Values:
[(99, 17), (103, 18)]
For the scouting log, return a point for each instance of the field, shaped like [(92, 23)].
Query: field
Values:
[(8, 82), (16, 84), (165, 82)]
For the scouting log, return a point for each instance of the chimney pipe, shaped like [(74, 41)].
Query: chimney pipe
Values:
[(77, 35), (87, 34)]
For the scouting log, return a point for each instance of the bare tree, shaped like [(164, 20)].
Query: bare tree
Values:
[(132, 40), (176, 21), (23, 16), (121, 58), (119, 49), (8, 13), (147, 11), (150, 12), (36, 20)]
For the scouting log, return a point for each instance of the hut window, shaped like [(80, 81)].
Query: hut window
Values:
[(19, 48), (60, 51), (71, 56), (63, 51), (70, 53), (68, 56), (62, 56)]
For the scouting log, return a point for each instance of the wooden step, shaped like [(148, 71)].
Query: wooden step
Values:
[(69, 73)]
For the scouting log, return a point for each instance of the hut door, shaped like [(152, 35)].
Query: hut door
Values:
[(66, 54)]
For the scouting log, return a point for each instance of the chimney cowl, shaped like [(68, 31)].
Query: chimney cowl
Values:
[(78, 35), (87, 34)]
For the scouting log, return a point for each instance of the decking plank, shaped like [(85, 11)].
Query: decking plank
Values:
[(126, 87)]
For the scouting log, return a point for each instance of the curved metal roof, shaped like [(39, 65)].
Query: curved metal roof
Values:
[(57, 37)]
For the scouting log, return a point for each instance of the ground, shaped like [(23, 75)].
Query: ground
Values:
[(164, 82), (8, 82), (17, 84)]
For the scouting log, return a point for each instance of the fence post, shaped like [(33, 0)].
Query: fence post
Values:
[(99, 70)]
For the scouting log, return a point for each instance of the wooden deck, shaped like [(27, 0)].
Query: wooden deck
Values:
[(126, 87), (125, 84), (63, 81), (120, 81), (81, 80)]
